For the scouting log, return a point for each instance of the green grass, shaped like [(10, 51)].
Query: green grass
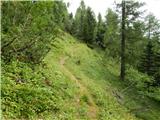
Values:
[(88, 67), (74, 82)]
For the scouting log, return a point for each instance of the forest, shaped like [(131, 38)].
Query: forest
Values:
[(56, 65)]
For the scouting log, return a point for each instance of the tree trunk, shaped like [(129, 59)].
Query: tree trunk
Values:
[(122, 74)]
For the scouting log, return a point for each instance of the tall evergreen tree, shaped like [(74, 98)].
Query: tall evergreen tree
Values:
[(61, 14), (147, 62), (157, 67), (90, 26), (111, 26), (111, 36), (80, 20), (150, 60), (134, 28), (100, 31), (85, 24), (69, 23)]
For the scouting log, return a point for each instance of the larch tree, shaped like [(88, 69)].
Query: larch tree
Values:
[(134, 28), (111, 36)]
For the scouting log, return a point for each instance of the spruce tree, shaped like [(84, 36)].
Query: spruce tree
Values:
[(100, 31), (90, 25), (147, 60), (134, 39), (157, 67), (79, 22)]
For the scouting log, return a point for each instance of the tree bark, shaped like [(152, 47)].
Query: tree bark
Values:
[(122, 74)]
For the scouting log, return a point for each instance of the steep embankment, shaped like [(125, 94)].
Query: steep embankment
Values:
[(97, 78), (95, 97), (74, 82)]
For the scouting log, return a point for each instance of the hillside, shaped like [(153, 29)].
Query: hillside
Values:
[(74, 82)]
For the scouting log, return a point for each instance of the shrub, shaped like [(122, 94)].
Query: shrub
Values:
[(25, 101), (141, 81), (154, 92), (23, 93)]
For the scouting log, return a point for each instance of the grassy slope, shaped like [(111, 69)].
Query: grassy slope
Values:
[(99, 89), (75, 82), (92, 99)]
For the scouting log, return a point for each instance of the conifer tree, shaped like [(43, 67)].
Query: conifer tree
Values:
[(150, 60), (84, 24), (100, 31), (147, 60), (134, 38), (80, 20), (90, 25), (157, 67), (111, 36)]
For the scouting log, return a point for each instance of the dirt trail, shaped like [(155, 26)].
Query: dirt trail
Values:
[(93, 109)]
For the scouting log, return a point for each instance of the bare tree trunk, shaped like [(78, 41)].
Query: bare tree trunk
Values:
[(122, 74)]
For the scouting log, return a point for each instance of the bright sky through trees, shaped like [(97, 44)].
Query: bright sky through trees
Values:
[(102, 5)]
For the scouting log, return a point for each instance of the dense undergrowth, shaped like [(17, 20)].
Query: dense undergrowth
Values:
[(75, 82)]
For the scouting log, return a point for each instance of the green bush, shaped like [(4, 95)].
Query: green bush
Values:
[(154, 92), (140, 80), (26, 101), (20, 72), (23, 92)]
